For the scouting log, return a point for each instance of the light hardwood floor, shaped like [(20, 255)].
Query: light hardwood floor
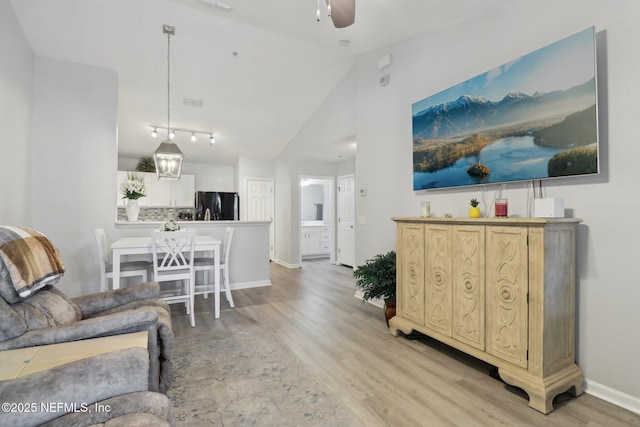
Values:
[(383, 380)]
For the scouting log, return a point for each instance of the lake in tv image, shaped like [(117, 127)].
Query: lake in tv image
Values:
[(532, 118)]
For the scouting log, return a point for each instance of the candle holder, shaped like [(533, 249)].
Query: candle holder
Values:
[(502, 208), (425, 209)]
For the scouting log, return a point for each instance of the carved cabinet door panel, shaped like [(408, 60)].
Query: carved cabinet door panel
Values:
[(507, 287), (438, 278), (410, 274), (469, 285)]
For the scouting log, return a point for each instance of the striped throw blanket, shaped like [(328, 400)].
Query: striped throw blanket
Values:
[(32, 260)]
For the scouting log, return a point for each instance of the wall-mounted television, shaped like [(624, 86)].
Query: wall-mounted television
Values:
[(532, 118)]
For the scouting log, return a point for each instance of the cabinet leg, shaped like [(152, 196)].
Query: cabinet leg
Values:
[(398, 324), (542, 391)]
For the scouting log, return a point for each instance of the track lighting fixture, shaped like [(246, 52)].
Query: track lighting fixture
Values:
[(212, 139), (154, 133), (175, 131)]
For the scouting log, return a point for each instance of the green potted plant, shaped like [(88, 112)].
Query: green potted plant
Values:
[(146, 164), (376, 278)]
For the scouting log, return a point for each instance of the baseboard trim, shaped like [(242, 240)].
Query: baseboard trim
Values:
[(613, 396), (286, 264), (247, 285), (376, 302)]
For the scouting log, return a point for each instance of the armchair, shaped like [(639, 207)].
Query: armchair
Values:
[(47, 316), (111, 387)]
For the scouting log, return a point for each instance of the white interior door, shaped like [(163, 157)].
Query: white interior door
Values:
[(260, 202), (346, 220)]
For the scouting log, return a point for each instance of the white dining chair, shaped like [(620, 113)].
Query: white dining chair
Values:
[(127, 268), (206, 265), (173, 262)]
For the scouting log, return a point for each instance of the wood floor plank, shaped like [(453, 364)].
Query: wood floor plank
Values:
[(383, 380)]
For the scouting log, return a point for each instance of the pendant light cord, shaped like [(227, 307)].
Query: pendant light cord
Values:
[(168, 85)]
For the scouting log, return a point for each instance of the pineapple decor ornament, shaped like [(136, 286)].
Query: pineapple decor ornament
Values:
[(474, 210)]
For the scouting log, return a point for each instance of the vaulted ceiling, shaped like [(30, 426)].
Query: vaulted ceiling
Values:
[(260, 68)]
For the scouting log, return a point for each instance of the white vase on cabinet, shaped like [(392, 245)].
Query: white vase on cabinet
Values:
[(133, 209)]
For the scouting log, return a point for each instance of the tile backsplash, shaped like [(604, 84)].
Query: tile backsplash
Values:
[(157, 214)]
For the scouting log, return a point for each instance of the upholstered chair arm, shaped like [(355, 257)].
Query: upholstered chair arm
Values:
[(53, 392), (113, 324), (96, 303), (142, 408)]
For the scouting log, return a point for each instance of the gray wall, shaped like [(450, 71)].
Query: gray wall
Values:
[(16, 104), (608, 291), (74, 166)]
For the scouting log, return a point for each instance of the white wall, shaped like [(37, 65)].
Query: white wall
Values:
[(334, 121), (607, 288), (346, 167), (16, 105), (74, 166)]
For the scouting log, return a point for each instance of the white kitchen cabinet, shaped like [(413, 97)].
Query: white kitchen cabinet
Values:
[(185, 189), (162, 193)]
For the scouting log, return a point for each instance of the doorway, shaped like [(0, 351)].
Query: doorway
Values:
[(260, 206), (346, 246), (317, 213)]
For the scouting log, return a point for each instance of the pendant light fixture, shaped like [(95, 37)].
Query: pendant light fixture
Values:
[(168, 157)]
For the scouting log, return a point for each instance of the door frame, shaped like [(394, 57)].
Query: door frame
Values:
[(332, 198)]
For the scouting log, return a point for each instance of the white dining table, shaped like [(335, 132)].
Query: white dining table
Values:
[(142, 246)]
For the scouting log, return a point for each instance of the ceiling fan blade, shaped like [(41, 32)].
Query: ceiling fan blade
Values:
[(343, 12)]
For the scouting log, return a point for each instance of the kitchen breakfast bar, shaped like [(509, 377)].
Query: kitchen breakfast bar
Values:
[(250, 250)]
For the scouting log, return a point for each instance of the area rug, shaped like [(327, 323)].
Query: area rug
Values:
[(243, 376)]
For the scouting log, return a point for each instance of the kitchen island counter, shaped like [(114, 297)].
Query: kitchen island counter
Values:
[(249, 258)]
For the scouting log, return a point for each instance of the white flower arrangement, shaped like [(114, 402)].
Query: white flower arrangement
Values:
[(133, 187), (170, 226)]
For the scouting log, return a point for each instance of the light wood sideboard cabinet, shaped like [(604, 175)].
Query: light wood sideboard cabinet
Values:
[(501, 290)]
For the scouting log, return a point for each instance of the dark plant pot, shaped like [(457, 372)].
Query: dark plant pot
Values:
[(389, 310)]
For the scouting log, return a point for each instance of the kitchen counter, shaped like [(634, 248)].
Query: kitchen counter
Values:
[(190, 224), (249, 258)]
